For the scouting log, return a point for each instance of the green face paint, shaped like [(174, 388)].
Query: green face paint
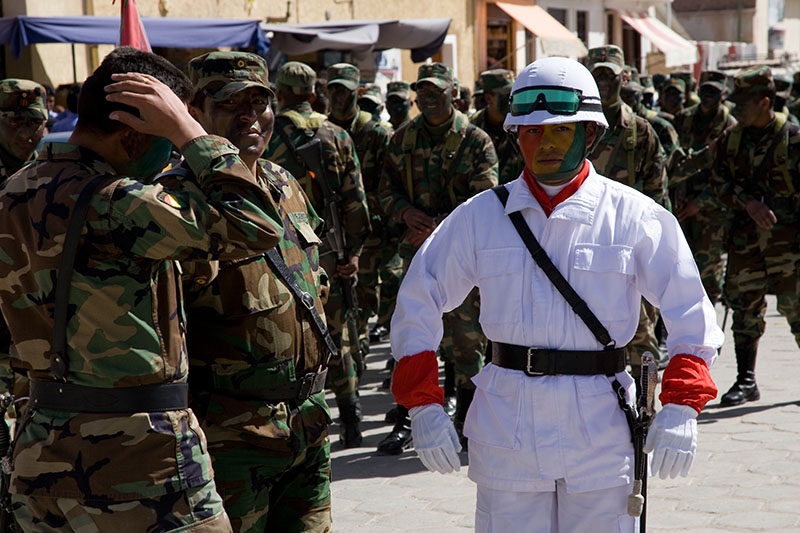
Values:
[(544, 147), (152, 161)]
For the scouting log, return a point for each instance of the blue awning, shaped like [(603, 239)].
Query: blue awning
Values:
[(161, 32)]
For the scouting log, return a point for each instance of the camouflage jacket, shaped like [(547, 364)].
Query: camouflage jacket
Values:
[(695, 133), (510, 162), (127, 318), (735, 175), (247, 330), (631, 153), (415, 173), (371, 140), (301, 124)]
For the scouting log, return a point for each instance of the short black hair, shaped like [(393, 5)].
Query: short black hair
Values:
[(93, 108), (72, 96)]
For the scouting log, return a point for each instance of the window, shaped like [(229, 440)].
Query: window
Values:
[(583, 26), (558, 14)]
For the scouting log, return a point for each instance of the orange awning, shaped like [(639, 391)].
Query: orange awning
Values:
[(556, 39)]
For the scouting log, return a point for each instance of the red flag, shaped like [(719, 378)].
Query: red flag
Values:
[(131, 30)]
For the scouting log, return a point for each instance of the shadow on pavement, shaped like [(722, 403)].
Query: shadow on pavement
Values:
[(369, 465), (715, 412)]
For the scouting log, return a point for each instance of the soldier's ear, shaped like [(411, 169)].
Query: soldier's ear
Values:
[(196, 112), (591, 133)]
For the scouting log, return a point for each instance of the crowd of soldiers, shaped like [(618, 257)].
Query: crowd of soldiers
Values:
[(203, 296)]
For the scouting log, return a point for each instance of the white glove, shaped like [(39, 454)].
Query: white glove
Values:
[(435, 438), (673, 440)]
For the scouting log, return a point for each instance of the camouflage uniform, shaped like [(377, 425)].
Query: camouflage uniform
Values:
[(248, 332), (126, 330), (759, 260), (19, 99), (371, 140), (343, 171), (630, 153), (415, 175), (510, 162), (667, 136), (706, 231), (691, 98)]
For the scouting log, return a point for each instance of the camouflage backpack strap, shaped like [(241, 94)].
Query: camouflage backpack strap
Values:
[(409, 143), (454, 145), (364, 124), (630, 148), (781, 156), (312, 122)]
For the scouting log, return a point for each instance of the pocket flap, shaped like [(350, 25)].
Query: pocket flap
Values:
[(616, 258), (300, 222), (499, 261)]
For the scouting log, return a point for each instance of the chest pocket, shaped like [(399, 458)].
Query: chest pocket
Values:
[(248, 286), (500, 279), (601, 275)]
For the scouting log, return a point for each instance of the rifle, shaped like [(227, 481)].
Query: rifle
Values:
[(637, 502), (311, 156), (7, 522)]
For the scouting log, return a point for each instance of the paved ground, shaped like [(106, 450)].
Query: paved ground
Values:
[(745, 478)]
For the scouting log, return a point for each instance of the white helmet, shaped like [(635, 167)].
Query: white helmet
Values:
[(554, 90)]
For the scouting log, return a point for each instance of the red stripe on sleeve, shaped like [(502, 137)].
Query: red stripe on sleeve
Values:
[(415, 381), (686, 381)]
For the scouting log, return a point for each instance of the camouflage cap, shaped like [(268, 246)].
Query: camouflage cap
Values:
[(223, 74), (299, 76), (344, 74), (609, 56), (399, 88), (438, 74), (633, 86), (714, 78), (675, 83), (496, 79), (478, 88), (372, 92), (647, 82), (22, 98), (749, 82), (783, 84), (687, 77)]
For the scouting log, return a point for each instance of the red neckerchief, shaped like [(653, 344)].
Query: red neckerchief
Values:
[(547, 203)]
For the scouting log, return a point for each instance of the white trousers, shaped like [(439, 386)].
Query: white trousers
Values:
[(599, 511)]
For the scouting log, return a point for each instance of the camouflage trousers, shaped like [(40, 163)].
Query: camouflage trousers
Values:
[(342, 377), (463, 343), (264, 490), (706, 237), (644, 340), (380, 270), (762, 262), (196, 510)]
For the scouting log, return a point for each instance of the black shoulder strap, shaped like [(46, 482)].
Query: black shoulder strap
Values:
[(556, 278), (58, 359), (303, 297)]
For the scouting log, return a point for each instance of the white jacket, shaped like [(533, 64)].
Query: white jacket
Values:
[(614, 245)]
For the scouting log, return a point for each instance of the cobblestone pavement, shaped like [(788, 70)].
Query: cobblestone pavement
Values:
[(745, 478)]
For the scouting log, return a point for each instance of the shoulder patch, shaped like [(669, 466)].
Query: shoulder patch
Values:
[(169, 199)]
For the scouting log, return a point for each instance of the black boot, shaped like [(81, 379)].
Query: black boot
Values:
[(464, 399), (450, 389), (400, 437), (350, 420), (745, 388)]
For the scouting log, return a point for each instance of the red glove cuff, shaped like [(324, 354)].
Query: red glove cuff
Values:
[(415, 380), (686, 381)]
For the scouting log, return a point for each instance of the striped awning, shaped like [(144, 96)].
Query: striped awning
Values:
[(556, 39), (677, 50)]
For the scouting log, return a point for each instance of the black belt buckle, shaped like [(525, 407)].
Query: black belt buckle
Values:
[(306, 386), (528, 364), (308, 300)]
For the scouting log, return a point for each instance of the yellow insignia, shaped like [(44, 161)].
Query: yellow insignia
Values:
[(170, 200), (240, 63)]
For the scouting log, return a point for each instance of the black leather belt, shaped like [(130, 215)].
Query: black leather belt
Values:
[(82, 399), (299, 389), (544, 362)]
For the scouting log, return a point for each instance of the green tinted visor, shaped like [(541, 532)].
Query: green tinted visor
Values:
[(556, 100)]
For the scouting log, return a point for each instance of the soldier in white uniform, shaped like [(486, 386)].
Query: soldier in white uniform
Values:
[(550, 448)]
